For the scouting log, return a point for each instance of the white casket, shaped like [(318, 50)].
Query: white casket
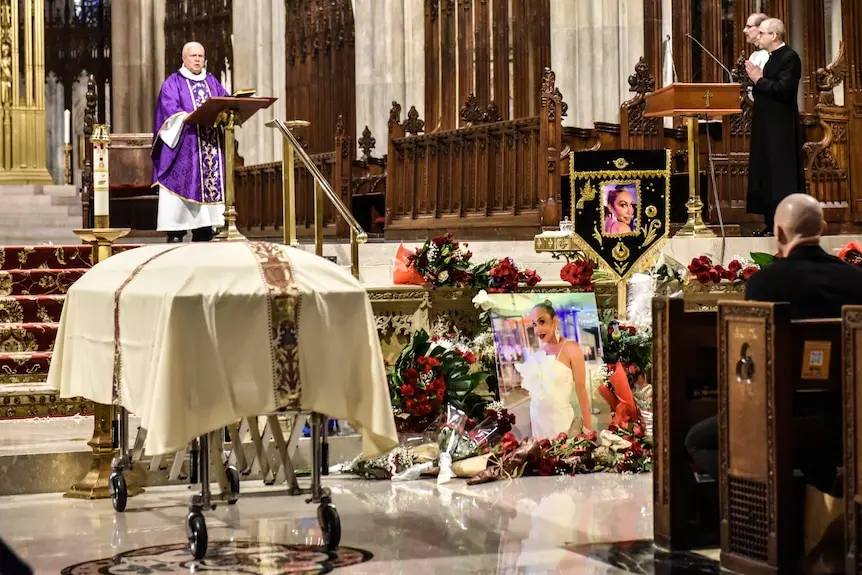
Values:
[(194, 337)]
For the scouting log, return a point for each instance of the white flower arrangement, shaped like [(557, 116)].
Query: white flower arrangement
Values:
[(482, 301)]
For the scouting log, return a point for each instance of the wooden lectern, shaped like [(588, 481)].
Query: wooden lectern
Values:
[(228, 112), (694, 102)]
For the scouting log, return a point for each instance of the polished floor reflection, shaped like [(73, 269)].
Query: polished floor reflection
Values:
[(598, 523)]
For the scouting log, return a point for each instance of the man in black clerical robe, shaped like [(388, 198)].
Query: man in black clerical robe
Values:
[(775, 168)]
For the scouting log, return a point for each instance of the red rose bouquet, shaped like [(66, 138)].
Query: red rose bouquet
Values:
[(737, 271), (629, 346), (442, 262), (506, 276), (428, 373), (579, 274), (502, 276)]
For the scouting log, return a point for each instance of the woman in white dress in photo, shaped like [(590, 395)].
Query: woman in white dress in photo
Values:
[(550, 376)]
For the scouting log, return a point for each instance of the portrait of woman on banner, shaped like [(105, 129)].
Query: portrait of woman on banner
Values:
[(620, 202)]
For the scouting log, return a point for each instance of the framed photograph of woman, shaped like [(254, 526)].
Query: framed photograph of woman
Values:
[(546, 344)]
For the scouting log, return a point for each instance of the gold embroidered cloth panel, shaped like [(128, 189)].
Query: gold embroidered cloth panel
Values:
[(194, 337)]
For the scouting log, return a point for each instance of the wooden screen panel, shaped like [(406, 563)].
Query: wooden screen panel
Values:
[(653, 40), (755, 409), (852, 360), (482, 60), (209, 22), (684, 393), (501, 56), (321, 70), (852, 32), (432, 61), (448, 67)]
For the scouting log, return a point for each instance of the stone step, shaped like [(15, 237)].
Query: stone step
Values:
[(35, 210), (42, 236), (33, 190), (30, 220), (25, 200), (63, 190)]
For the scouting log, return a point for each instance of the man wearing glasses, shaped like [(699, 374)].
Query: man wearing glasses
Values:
[(775, 168), (752, 35)]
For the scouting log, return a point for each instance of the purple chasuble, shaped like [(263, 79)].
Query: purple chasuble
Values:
[(194, 168)]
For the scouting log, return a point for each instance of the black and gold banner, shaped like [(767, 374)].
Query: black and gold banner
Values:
[(621, 207)]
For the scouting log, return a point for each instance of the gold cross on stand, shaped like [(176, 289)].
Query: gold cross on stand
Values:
[(708, 97)]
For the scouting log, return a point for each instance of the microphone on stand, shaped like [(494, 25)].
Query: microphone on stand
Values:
[(709, 155), (711, 55)]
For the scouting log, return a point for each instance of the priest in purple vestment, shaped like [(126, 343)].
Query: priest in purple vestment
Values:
[(188, 161)]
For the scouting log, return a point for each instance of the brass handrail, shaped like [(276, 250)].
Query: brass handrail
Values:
[(321, 188)]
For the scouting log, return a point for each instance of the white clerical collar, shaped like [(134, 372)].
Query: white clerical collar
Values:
[(191, 75), (780, 46)]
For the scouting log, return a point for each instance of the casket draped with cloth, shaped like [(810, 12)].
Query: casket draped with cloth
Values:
[(194, 337)]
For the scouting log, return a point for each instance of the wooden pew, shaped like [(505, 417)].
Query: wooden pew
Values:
[(852, 348), (773, 419), (685, 388)]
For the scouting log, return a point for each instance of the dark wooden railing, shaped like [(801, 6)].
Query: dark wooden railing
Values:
[(502, 174), (259, 198)]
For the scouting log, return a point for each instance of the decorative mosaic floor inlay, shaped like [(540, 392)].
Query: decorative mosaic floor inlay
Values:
[(242, 557)]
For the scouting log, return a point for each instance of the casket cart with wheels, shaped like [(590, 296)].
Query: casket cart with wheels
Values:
[(195, 337)]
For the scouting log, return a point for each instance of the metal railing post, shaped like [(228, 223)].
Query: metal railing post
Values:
[(321, 188), (288, 196)]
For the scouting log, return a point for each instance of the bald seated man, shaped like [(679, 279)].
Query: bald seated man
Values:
[(816, 285)]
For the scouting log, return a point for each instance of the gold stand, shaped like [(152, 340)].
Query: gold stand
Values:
[(67, 154), (95, 485), (622, 299), (230, 233), (694, 226), (288, 165)]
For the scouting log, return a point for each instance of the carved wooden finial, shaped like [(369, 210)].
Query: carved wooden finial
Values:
[(492, 113), (739, 74), (642, 81), (564, 108), (831, 76), (413, 125), (471, 112), (549, 80), (339, 126), (394, 115), (367, 143)]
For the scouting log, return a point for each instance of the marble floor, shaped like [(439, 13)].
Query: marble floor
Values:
[(598, 523)]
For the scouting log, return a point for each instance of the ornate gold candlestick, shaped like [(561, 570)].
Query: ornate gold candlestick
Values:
[(95, 485), (67, 154)]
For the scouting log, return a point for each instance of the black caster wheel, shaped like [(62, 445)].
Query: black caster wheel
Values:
[(233, 483), (197, 532), (330, 524), (119, 493)]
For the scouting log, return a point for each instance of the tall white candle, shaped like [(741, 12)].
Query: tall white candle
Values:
[(67, 125), (101, 198)]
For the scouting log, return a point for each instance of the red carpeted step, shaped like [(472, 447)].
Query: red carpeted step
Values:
[(35, 257), (27, 337), (49, 257), (31, 308), (24, 367), (38, 282)]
